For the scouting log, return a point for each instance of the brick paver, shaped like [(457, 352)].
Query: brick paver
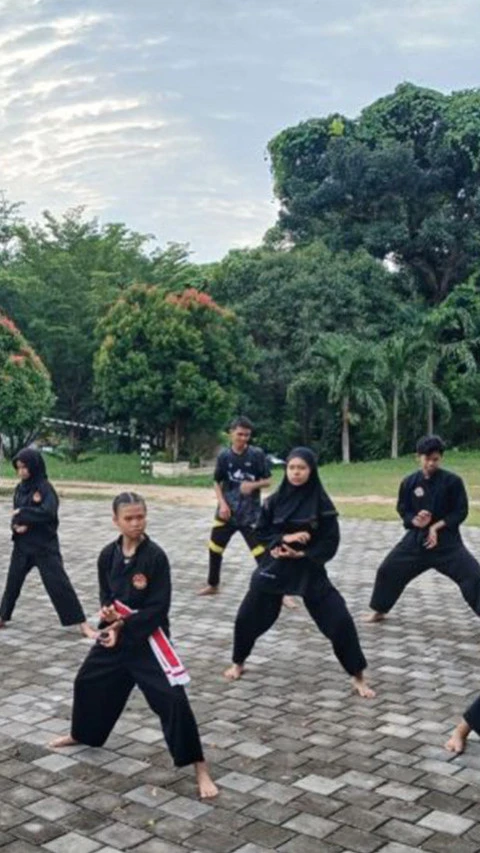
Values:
[(303, 764)]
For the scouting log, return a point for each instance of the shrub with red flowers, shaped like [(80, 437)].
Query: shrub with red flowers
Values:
[(25, 388), (174, 362)]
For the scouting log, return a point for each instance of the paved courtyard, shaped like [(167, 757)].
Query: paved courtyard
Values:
[(304, 766)]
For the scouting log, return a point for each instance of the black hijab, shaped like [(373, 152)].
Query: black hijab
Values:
[(302, 503), (33, 460)]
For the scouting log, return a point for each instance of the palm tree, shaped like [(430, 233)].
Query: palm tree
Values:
[(349, 366), (448, 336), (400, 359)]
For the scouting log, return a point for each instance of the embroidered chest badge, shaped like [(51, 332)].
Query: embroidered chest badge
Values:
[(419, 492), (140, 581)]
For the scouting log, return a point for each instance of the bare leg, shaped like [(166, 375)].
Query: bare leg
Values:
[(209, 590), (458, 739), (62, 741), (289, 602), (361, 687), (206, 785), (374, 617), (234, 672)]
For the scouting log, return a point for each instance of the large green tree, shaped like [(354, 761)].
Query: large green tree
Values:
[(171, 362), (402, 180), (287, 299)]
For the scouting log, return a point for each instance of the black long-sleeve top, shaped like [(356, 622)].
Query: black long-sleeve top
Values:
[(443, 494), (142, 582), (292, 576), (38, 511)]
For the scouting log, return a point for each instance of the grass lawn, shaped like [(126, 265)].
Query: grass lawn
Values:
[(107, 468), (359, 479)]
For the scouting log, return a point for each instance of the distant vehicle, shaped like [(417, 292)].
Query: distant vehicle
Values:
[(275, 460)]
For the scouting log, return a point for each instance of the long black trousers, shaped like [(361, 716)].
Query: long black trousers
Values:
[(259, 610), (472, 715), (222, 532), (404, 563), (104, 683), (55, 580)]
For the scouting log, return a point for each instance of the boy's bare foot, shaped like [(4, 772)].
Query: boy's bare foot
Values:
[(61, 741), (234, 672), (206, 785), (361, 687), (374, 617), (289, 602), (458, 739), (209, 590), (3, 624), (88, 631)]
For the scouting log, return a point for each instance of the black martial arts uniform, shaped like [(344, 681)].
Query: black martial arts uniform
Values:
[(472, 715), (37, 505), (231, 470), (443, 495), (107, 676), (292, 509)]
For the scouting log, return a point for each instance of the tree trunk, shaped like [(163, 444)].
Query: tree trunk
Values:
[(395, 425), (430, 416), (176, 440), (346, 430)]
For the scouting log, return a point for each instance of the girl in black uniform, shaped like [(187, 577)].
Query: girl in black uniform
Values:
[(298, 527), (134, 575), (35, 543)]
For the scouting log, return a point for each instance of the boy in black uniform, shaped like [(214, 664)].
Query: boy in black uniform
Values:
[(35, 543), (242, 470), (134, 580), (432, 503)]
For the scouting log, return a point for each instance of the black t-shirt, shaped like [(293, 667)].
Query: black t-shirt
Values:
[(233, 469)]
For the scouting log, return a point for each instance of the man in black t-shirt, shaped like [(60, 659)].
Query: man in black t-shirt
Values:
[(241, 472)]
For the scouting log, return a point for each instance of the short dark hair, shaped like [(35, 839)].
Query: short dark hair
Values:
[(241, 421), (125, 498), (428, 444)]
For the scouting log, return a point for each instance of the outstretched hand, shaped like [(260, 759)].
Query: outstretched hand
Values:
[(283, 551), (109, 614), (422, 519), (432, 539), (109, 636), (302, 536)]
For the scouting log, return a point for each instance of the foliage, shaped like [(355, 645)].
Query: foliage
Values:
[(172, 362), (25, 388), (403, 180), (64, 275)]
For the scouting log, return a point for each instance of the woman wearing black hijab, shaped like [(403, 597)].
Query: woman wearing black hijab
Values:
[(35, 543), (298, 527)]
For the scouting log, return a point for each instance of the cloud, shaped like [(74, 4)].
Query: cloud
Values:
[(158, 114)]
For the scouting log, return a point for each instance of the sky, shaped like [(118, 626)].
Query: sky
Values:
[(157, 113)]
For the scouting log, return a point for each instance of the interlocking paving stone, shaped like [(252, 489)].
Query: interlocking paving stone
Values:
[(304, 766), (72, 843), (445, 822), (319, 784)]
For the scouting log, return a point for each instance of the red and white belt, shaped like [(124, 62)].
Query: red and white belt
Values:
[(163, 650)]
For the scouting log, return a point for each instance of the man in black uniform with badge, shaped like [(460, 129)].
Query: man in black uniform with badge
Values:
[(241, 471), (432, 503)]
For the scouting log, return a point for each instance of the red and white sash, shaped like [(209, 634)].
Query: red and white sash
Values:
[(162, 649)]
